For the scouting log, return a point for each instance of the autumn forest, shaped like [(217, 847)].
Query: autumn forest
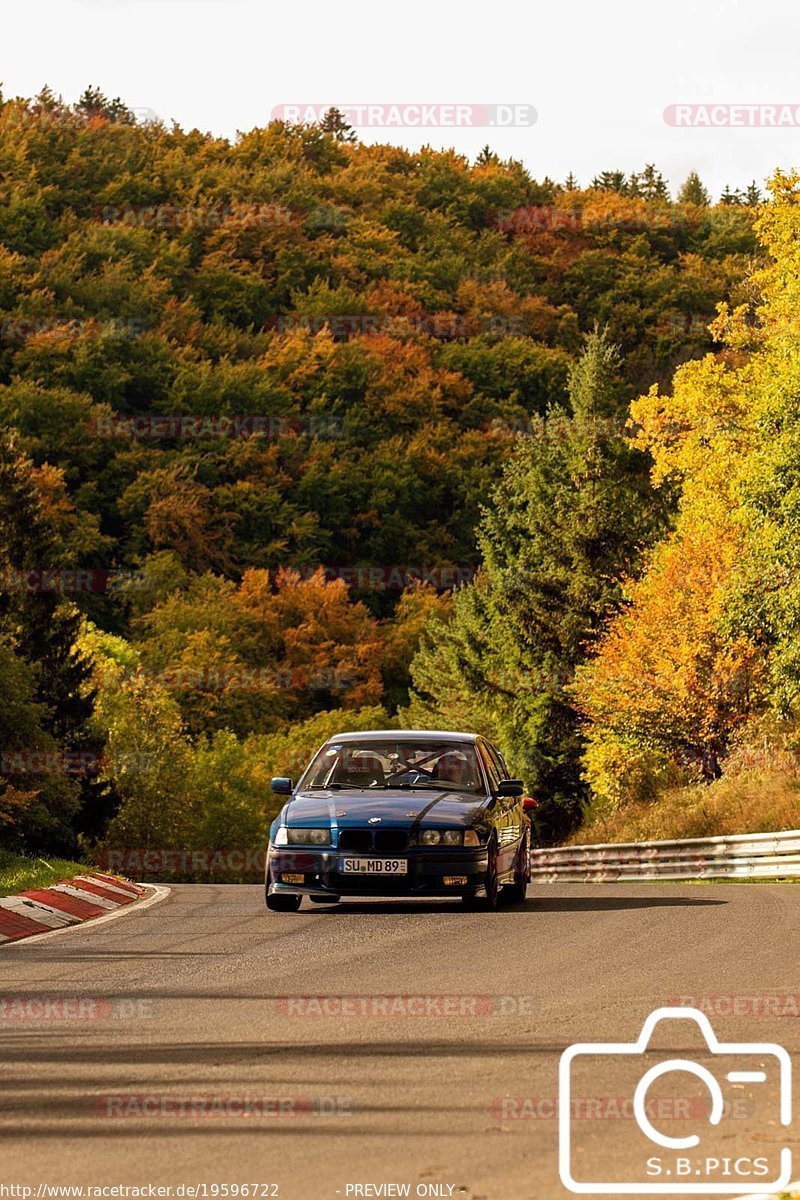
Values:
[(299, 434)]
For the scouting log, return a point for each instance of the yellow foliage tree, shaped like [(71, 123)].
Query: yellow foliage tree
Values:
[(674, 675)]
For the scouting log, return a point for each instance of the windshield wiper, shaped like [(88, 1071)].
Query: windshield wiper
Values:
[(433, 786), (355, 787)]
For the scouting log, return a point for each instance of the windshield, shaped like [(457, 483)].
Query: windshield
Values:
[(396, 764)]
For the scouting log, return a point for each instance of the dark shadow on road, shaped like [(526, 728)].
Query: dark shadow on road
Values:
[(218, 1054), (531, 906), (147, 1129), (262, 1054), (616, 903)]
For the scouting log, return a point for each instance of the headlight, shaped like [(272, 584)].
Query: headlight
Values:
[(304, 837), (281, 837), (471, 838), (310, 837), (442, 837)]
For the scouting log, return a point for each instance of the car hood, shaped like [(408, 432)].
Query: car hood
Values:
[(428, 806)]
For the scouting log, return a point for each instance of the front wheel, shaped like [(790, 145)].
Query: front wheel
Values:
[(490, 885), (283, 902)]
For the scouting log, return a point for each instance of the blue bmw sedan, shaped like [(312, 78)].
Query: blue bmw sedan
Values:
[(400, 813)]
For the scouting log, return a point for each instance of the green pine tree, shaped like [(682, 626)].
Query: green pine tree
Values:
[(611, 181), (731, 197), (94, 104), (651, 184), (486, 157), (334, 122), (569, 521), (42, 624), (753, 194), (692, 191)]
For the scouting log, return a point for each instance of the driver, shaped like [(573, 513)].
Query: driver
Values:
[(453, 768)]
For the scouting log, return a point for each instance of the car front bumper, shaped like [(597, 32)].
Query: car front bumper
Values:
[(438, 872)]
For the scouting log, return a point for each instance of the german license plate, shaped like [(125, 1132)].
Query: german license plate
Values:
[(374, 866)]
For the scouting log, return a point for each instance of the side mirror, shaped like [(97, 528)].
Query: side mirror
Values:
[(510, 787), (529, 803), (282, 786)]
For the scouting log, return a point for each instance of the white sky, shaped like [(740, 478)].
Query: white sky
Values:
[(599, 72)]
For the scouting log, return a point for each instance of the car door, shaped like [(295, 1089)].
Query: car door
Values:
[(502, 811), (516, 815)]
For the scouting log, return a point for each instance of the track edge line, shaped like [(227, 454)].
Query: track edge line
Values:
[(159, 893)]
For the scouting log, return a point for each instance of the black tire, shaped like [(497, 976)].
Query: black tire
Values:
[(282, 902), (491, 887), (516, 892), (324, 899)]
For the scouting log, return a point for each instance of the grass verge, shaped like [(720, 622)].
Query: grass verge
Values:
[(18, 873), (751, 803)]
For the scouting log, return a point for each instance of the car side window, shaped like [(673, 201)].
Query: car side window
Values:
[(490, 765), (499, 761)]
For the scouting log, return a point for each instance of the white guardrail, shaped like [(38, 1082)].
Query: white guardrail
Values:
[(743, 856)]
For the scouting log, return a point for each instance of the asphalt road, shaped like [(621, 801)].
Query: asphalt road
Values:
[(184, 1000)]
